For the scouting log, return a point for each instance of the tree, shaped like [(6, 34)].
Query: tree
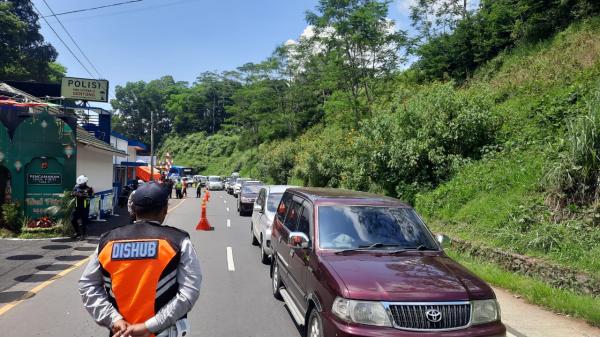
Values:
[(23, 53), (136, 101), (360, 45)]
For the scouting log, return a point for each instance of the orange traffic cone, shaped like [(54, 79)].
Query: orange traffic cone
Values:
[(203, 224), (207, 195)]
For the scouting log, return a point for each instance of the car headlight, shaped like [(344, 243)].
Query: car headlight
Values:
[(362, 312), (485, 311)]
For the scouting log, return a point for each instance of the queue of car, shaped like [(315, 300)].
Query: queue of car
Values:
[(350, 263)]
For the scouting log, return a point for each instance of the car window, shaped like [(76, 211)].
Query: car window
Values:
[(261, 197), (273, 201), (305, 219), (344, 227), (283, 207), (293, 214), (251, 189)]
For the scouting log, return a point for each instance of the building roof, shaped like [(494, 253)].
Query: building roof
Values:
[(83, 136), (86, 138)]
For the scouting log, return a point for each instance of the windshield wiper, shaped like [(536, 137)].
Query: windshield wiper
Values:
[(412, 249), (367, 247)]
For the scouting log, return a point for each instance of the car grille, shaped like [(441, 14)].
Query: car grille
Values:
[(414, 316)]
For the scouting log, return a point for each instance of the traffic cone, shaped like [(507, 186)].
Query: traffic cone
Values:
[(208, 195), (203, 224)]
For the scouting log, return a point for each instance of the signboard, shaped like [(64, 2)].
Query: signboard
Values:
[(37, 203), (44, 179), (84, 89)]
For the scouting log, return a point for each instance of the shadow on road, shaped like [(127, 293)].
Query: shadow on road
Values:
[(56, 247), (34, 278), (71, 257), (24, 257), (53, 267), (9, 296)]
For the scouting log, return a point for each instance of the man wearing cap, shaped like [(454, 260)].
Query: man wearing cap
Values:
[(143, 278), (83, 194)]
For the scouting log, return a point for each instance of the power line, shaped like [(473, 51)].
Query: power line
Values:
[(93, 8), (61, 40), (72, 39)]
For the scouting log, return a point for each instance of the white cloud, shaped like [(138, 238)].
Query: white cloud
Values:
[(404, 6)]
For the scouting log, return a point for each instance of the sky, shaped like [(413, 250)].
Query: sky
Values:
[(183, 38)]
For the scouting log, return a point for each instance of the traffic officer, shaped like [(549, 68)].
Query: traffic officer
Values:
[(83, 194), (143, 278)]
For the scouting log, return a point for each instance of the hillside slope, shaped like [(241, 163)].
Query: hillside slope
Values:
[(472, 159)]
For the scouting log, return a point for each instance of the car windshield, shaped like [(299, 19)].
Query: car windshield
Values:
[(251, 189), (214, 179), (350, 227), (273, 201)]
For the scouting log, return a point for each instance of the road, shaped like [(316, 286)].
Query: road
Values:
[(235, 300)]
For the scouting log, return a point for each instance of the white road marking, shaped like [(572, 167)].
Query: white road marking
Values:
[(227, 209), (228, 223), (230, 265), (224, 201)]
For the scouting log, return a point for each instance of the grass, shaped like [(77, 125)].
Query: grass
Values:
[(534, 291)]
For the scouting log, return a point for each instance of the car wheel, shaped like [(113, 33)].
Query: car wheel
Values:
[(264, 258), (254, 240), (315, 325), (276, 280)]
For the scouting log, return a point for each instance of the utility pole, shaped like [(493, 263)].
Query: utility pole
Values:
[(151, 145)]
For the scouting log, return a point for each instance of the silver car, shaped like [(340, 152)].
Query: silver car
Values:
[(263, 214), (215, 183)]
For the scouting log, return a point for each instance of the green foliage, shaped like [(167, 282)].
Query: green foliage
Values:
[(24, 54), (575, 177), (136, 101), (534, 291), (358, 47), (11, 216), (459, 46), (281, 160), (431, 135)]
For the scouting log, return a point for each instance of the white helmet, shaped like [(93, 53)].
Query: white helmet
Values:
[(81, 180), (140, 181)]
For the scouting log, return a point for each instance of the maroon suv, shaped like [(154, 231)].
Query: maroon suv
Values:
[(356, 264)]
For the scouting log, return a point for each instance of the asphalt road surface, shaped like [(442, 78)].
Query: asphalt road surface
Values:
[(235, 299)]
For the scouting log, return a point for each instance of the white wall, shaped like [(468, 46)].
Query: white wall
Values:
[(97, 166), (120, 144)]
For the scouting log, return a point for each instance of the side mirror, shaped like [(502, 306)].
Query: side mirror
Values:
[(298, 240), (257, 208), (443, 240)]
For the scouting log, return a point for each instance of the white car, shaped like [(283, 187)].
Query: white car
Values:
[(263, 214), (215, 183), (238, 185)]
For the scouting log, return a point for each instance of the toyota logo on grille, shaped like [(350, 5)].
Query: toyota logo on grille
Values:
[(433, 315)]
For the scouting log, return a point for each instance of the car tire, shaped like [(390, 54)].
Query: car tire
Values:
[(315, 324), (276, 283), (254, 240), (264, 257)]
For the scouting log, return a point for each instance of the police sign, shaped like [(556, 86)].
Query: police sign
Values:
[(84, 89)]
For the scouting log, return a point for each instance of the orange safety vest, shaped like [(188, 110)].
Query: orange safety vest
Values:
[(139, 264)]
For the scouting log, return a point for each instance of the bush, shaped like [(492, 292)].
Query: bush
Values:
[(575, 177), (11, 216), (432, 134)]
